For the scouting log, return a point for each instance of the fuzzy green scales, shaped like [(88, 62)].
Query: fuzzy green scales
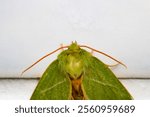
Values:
[(76, 74)]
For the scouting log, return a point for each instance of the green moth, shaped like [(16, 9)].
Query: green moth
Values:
[(77, 75)]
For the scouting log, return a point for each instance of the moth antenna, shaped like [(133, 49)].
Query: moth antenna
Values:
[(43, 58), (114, 65), (104, 54)]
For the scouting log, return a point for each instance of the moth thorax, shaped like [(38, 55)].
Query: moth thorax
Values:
[(74, 66)]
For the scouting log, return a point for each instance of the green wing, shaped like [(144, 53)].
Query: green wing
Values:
[(99, 83), (53, 85)]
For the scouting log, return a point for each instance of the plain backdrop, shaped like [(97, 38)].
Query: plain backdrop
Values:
[(31, 28)]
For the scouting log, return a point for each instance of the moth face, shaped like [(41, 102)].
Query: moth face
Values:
[(74, 66)]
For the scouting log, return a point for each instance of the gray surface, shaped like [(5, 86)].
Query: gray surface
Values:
[(21, 89)]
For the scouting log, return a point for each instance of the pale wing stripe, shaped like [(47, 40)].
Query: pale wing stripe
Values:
[(53, 86), (97, 81)]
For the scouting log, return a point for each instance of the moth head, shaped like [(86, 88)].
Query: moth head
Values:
[(71, 62), (74, 47), (74, 66)]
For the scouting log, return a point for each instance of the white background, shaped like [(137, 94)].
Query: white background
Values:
[(31, 28), (8, 110)]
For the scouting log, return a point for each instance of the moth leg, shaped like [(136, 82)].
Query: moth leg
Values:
[(113, 65), (92, 52)]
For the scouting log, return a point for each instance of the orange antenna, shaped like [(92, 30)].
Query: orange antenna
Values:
[(67, 47), (103, 54), (43, 58)]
